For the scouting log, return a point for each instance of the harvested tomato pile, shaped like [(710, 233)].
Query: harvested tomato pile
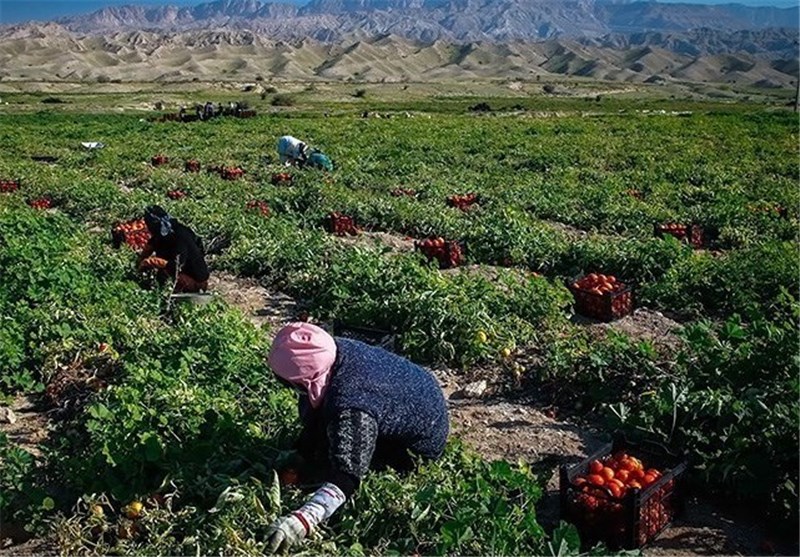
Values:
[(463, 202), (133, 232), (191, 166), (447, 253), (341, 225), (260, 205), (603, 501), (231, 173), (404, 192), (176, 194), (159, 160), (41, 203), (691, 233), (7, 186), (618, 473), (281, 178), (602, 297)]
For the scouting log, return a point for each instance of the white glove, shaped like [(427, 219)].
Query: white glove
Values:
[(284, 533), (293, 528)]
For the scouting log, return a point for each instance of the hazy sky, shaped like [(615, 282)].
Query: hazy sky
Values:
[(13, 11)]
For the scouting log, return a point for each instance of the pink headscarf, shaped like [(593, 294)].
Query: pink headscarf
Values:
[(303, 354)]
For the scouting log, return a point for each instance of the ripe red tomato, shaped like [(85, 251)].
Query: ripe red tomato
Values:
[(596, 479)]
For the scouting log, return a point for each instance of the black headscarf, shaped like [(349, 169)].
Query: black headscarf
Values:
[(158, 221)]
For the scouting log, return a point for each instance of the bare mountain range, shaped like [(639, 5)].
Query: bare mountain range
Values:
[(53, 53), (411, 40), (430, 20)]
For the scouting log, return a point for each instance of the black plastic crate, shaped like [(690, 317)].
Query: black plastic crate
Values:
[(606, 306), (692, 234), (640, 515), (376, 337)]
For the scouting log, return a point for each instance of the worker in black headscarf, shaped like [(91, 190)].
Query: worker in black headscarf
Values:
[(174, 250)]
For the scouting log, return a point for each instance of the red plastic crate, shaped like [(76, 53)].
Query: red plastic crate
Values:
[(638, 517), (259, 205), (176, 194), (341, 225), (464, 202), (45, 202), (447, 253), (231, 173), (8, 186), (191, 166), (282, 179), (606, 306), (133, 233), (692, 234)]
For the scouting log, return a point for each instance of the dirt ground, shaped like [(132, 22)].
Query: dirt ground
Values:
[(642, 324), (261, 306), (394, 242)]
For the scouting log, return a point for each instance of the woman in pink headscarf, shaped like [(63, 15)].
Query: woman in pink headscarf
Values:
[(363, 407)]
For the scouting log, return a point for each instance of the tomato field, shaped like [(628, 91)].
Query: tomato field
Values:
[(175, 408)]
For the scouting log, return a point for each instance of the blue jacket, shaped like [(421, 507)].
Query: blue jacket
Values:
[(404, 399)]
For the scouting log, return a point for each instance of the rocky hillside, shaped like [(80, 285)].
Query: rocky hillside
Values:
[(52, 52), (430, 20)]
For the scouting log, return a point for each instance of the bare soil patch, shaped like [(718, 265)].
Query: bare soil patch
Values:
[(643, 324), (261, 305)]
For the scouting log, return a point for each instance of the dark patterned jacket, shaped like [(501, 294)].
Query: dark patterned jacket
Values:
[(379, 410)]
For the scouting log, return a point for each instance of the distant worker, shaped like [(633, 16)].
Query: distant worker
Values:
[(292, 151), (362, 407), (174, 251), (318, 159)]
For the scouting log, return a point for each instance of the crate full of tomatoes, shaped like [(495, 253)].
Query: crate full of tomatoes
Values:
[(692, 234), (176, 195), (192, 165), (260, 206), (7, 186), (133, 233), (231, 173), (159, 160), (41, 203), (624, 495), (447, 253), (463, 202), (602, 297), (281, 179), (341, 225)]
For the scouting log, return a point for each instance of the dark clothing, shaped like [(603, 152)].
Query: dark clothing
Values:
[(182, 248), (186, 284), (379, 410)]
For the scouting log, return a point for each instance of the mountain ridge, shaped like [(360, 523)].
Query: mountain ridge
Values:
[(429, 20), (51, 52)]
